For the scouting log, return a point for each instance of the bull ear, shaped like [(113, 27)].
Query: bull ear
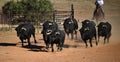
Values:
[(97, 25), (82, 22), (16, 28), (106, 22)]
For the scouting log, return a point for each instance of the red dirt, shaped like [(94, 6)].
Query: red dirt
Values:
[(74, 50)]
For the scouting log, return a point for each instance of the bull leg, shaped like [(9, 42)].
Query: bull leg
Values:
[(76, 34), (86, 43), (105, 39), (68, 35), (61, 45), (52, 47), (72, 36), (29, 44), (108, 37), (22, 42), (96, 40), (90, 42), (47, 47), (34, 38), (58, 47)]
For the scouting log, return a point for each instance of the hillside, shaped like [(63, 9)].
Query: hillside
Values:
[(79, 4)]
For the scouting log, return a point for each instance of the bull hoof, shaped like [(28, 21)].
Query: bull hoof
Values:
[(86, 46), (35, 41), (29, 45), (96, 43), (47, 50), (22, 46), (59, 50), (52, 50), (91, 46)]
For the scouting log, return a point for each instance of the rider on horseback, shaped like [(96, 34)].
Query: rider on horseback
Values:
[(100, 3)]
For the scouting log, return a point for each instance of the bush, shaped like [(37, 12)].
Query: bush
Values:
[(29, 10)]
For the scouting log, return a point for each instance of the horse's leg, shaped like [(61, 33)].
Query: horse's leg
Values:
[(102, 10), (94, 14)]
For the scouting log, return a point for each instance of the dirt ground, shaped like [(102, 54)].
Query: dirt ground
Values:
[(73, 51)]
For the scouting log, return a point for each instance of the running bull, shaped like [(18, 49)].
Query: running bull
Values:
[(24, 31)]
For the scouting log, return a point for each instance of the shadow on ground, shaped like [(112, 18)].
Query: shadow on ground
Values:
[(35, 48), (72, 46), (8, 44)]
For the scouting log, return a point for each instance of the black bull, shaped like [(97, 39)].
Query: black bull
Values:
[(104, 30), (24, 31), (48, 25), (56, 37), (88, 31), (52, 35), (70, 26)]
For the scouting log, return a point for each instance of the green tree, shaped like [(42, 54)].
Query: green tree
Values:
[(28, 10)]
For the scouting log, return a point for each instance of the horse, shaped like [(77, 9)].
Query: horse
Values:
[(98, 14)]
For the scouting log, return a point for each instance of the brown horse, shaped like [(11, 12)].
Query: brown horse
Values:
[(98, 14)]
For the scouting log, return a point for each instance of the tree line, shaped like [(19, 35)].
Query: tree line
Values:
[(28, 11)]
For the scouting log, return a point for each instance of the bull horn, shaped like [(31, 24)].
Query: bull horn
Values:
[(87, 22), (50, 23), (70, 22), (57, 33), (87, 29), (24, 28), (49, 32)]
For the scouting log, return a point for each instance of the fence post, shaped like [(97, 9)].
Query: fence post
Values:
[(54, 15), (72, 11)]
